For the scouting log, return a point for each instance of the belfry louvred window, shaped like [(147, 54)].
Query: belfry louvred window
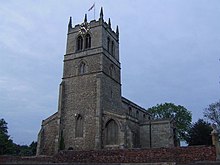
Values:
[(108, 44), (88, 41), (79, 43)]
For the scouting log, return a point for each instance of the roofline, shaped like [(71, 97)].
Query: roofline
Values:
[(134, 105)]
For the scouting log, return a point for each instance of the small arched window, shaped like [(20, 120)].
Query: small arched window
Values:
[(79, 43), (79, 126), (88, 41), (108, 44), (82, 68), (113, 49)]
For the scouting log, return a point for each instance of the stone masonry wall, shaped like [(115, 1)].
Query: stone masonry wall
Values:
[(183, 155), (161, 134), (48, 135), (179, 155), (80, 99)]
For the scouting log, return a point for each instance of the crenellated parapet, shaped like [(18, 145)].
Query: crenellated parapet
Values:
[(94, 23)]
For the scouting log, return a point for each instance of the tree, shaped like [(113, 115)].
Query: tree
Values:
[(199, 133), (180, 114), (33, 148), (3, 127), (212, 113), (8, 147), (25, 150), (6, 144)]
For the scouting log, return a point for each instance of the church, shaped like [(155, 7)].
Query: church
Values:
[(92, 114)]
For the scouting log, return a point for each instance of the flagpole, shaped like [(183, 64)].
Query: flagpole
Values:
[(94, 11), (93, 7)]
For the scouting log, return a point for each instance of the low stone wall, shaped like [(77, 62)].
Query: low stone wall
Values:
[(182, 155), (177, 154), (26, 160)]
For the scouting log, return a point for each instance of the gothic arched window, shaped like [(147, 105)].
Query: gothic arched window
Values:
[(88, 41), (113, 48), (79, 126), (82, 68), (111, 132), (79, 43), (108, 44)]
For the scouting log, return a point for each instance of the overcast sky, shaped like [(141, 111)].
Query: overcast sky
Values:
[(169, 52)]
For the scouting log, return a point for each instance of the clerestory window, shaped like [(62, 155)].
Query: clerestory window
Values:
[(130, 111), (137, 114)]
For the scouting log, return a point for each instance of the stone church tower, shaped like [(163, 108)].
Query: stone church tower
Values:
[(92, 114)]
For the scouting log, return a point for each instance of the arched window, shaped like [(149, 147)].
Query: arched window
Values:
[(88, 41), (82, 68), (108, 44), (79, 43), (79, 126), (111, 133), (113, 49)]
